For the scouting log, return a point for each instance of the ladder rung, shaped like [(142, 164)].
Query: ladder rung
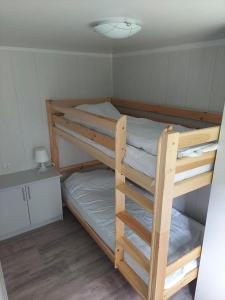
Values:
[(132, 277), (136, 226), (136, 254), (136, 196)]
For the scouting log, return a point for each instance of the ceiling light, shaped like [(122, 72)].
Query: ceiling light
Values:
[(117, 28)]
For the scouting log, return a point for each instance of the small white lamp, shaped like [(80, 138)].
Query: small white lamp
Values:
[(41, 157)]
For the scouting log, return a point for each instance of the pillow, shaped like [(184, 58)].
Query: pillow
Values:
[(105, 109), (100, 179)]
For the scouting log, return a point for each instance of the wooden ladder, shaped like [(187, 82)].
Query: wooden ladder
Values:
[(161, 215), (123, 244)]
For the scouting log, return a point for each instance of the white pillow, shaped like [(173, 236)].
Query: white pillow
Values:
[(105, 109), (99, 179)]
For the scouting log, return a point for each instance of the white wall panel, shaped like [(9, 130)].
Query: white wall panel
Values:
[(11, 145), (217, 98), (178, 66), (28, 101), (27, 78), (192, 78), (200, 77)]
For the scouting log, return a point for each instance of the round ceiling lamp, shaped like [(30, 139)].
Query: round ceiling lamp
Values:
[(117, 28)]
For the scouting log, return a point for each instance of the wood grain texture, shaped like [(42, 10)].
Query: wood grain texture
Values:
[(120, 150), (169, 110), (105, 122), (99, 138), (163, 202), (54, 263)]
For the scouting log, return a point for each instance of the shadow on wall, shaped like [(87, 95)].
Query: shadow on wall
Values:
[(194, 204)]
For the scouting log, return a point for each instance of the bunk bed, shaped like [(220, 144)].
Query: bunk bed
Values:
[(183, 162)]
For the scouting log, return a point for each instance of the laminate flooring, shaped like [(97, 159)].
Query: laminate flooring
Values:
[(61, 262)]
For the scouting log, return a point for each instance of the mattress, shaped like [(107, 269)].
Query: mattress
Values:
[(142, 133), (92, 195), (138, 158)]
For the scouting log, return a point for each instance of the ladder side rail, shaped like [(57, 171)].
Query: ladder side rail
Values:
[(120, 149), (164, 194)]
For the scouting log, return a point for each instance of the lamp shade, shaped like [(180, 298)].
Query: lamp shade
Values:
[(40, 155), (116, 28)]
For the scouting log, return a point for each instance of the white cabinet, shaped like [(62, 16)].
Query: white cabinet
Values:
[(28, 200), (14, 214), (49, 203)]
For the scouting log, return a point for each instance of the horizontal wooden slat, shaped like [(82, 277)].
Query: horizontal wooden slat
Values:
[(86, 116), (74, 102), (170, 111), (136, 196), (156, 117), (187, 163), (183, 282), (99, 138), (199, 136), (193, 183), (139, 178), (99, 155), (194, 254), (135, 281), (132, 174), (135, 253), (78, 167), (136, 226)]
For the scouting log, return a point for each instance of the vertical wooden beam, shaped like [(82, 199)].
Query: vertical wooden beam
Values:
[(120, 148), (165, 174), (52, 136)]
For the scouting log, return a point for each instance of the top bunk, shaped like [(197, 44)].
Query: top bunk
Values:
[(138, 138)]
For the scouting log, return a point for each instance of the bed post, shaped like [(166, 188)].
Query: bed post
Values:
[(120, 148), (53, 138), (164, 193)]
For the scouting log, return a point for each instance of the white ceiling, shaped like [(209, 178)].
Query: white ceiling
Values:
[(64, 24)]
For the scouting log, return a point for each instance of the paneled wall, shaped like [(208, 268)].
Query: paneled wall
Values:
[(193, 77), (27, 78)]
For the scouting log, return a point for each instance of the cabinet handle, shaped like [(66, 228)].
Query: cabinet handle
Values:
[(28, 191), (23, 192)]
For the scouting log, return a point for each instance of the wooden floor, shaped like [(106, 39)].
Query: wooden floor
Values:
[(61, 261)]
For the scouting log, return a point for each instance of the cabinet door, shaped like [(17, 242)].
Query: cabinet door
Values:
[(14, 216), (44, 202)]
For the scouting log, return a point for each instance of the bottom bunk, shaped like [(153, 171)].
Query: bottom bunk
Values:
[(90, 196)]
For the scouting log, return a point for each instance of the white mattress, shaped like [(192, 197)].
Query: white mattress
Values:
[(138, 158), (92, 194), (142, 133)]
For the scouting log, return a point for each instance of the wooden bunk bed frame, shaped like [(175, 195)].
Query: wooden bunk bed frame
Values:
[(162, 187)]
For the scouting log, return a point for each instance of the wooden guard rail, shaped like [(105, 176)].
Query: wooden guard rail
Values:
[(197, 137), (213, 118), (187, 163), (107, 123), (99, 138), (185, 139)]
